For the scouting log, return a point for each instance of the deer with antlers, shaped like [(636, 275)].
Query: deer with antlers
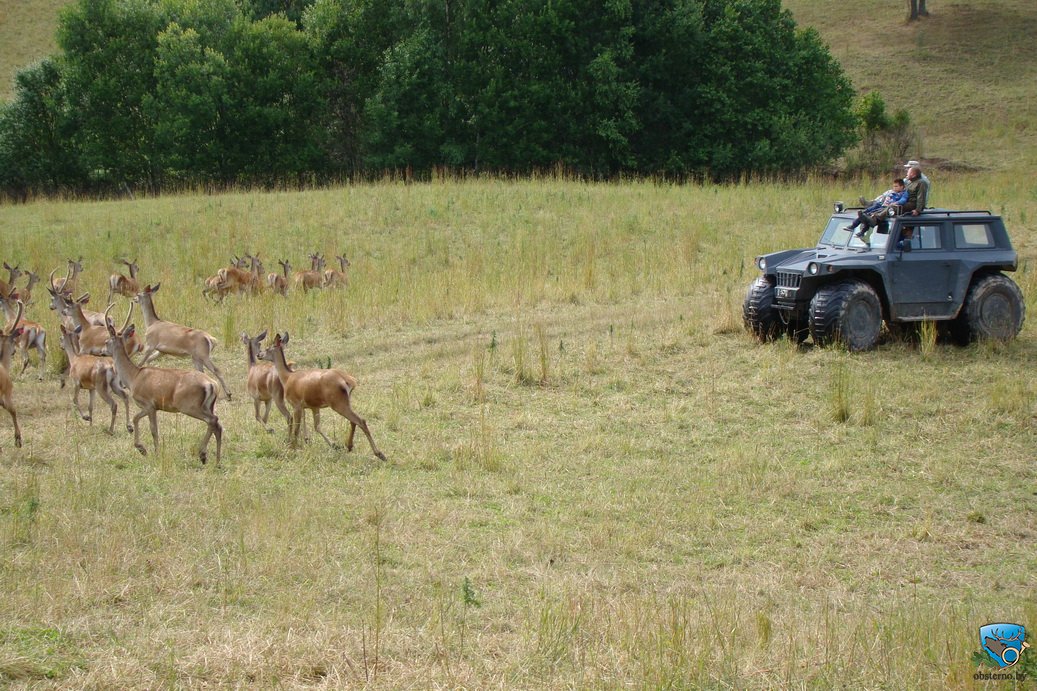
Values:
[(278, 283), (127, 286), (70, 282), (7, 346), (63, 305), (170, 390), (168, 338), (264, 386), (32, 334), (335, 278), (314, 389), (92, 338), (7, 287), (312, 279), (96, 375)]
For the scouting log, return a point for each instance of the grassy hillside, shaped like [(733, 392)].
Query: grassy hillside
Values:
[(967, 74), (595, 477)]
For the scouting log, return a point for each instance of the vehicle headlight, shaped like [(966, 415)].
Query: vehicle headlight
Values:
[(761, 262), (813, 268)]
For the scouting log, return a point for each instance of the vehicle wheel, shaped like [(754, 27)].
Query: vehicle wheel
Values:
[(761, 317), (994, 309), (847, 312)]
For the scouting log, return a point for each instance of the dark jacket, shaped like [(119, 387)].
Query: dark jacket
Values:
[(917, 195)]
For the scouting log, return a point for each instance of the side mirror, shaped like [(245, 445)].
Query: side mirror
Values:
[(904, 246)]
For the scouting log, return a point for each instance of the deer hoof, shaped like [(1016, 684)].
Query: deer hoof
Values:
[(87, 418), (381, 456), (18, 441), (143, 451)]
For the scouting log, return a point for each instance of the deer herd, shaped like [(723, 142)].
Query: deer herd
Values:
[(114, 363), (247, 275)]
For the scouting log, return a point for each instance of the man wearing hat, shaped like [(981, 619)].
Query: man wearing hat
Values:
[(917, 189), (928, 183)]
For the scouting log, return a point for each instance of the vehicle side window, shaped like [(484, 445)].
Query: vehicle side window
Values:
[(973, 236), (922, 237)]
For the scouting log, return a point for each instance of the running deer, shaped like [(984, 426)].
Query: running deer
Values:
[(312, 279), (169, 390), (7, 346), (167, 338), (278, 282), (264, 386), (32, 335), (127, 286), (7, 287), (314, 389), (96, 375), (333, 278)]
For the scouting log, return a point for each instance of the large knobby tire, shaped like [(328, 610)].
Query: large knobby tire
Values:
[(993, 310), (758, 311), (847, 312)]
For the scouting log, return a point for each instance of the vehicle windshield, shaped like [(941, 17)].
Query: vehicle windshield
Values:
[(838, 234)]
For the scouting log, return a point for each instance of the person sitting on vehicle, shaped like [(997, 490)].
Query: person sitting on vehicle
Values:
[(869, 216), (917, 191)]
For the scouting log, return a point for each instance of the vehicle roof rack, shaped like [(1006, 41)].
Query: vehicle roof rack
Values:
[(952, 212)]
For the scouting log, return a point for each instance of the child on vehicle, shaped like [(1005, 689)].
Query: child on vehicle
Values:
[(869, 216)]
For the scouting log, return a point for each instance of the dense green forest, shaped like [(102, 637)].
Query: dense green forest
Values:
[(159, 94)]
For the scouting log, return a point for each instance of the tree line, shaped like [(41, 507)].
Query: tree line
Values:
[(157, 94)]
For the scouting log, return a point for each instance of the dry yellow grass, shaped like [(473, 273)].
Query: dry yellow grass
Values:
[(657, 501)]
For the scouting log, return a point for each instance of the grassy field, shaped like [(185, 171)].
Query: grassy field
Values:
[(595, 477)]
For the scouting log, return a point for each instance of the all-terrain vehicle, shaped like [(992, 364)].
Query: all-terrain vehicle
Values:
[(942, 265)]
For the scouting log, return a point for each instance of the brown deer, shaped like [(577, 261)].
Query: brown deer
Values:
[(278, 282), (170, 390), (7, 287), (127, 286), (70, 282), (26, 292), (167, 338), (264, 385), (96, 375), (32, 335), (333, 278), (314, 389), (92, 338), (312, 279), (230, 279), (7, 346), (63, 305)]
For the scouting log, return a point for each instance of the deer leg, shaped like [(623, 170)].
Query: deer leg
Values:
[(316, 427), (90, 408), (153, 421), (279, 402), (255, 408), (343, 409), (266, 411), (41, 348), (9, 405), (105, 393), (202, 365), (116, 387), (136, 432), (149, 353), (293, 429), (75, 402), (349, 438)]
